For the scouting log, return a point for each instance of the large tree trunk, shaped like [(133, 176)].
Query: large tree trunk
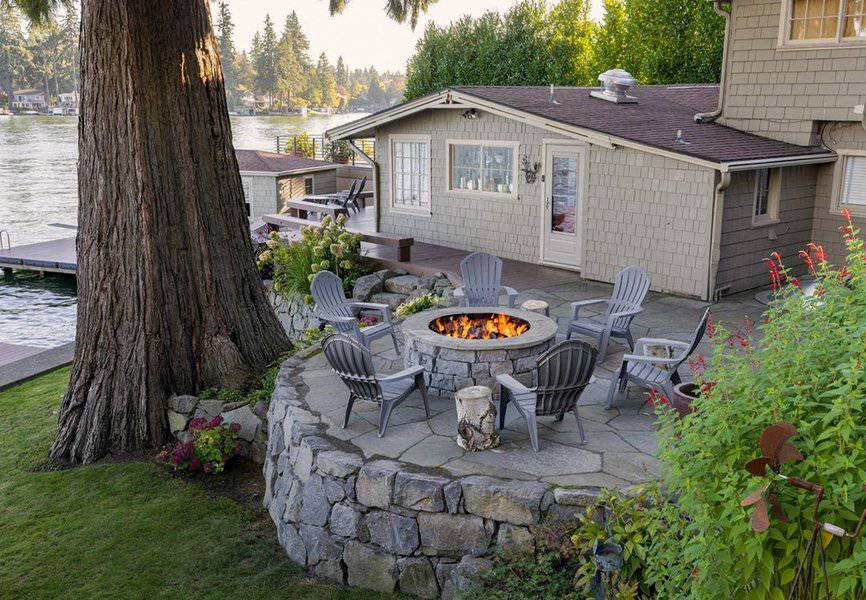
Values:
[(169, 300)]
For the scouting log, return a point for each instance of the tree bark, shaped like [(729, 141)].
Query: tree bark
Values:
[(169, 300)]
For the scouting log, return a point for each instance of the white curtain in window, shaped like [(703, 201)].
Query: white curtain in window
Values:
[(854, 181), (411, 174)]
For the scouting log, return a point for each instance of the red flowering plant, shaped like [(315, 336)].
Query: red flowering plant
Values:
[(214, 443), (802, 364)]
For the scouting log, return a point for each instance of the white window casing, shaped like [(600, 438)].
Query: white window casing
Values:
[(309, 185), (768, 190), (850, 182), (411, 173), (482, 167), (816, 23)]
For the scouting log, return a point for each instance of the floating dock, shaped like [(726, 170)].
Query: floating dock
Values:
[(56, 256)]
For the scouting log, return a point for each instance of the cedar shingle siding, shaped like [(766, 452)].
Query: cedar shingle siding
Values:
[(779, 93), (640, 208)]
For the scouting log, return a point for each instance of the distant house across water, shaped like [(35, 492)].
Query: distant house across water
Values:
[(29, 99), (270, 178)]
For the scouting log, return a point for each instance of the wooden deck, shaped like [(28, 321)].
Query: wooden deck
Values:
[(55, 256), (429, 258), (58, 256)]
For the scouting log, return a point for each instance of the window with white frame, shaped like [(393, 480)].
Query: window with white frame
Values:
[(410, 173), (767, 191), (482, 167), (852, 187), (821, 21)]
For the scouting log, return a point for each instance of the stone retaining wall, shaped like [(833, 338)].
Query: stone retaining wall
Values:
[(386, 525)]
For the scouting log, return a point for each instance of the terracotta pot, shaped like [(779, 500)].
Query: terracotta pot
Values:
[(684, 395)]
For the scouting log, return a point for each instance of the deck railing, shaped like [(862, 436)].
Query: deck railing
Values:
[(316, 146)]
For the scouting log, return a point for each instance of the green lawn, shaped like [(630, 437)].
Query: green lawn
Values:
[(125, 530)]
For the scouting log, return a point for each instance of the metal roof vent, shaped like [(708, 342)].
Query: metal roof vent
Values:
[(616, 85)]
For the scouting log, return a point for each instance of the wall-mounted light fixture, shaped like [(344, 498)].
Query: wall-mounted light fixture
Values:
[(471, 114), (530, 169)]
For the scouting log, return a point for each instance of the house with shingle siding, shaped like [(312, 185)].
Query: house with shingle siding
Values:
[(269, 179), (695, 183)]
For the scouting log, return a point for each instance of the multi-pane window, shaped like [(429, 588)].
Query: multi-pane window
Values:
[(482, 167), (766, 206), (411, 174), (855, 19), (853, 191), (826, 20)]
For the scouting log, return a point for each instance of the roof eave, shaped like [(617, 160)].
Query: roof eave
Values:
[(782, 161)]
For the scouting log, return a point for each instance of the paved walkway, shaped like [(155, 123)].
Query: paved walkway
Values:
[(20, 363), (622, 442)]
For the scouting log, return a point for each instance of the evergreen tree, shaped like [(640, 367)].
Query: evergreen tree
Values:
[(46, 48), (292, 66), (14, 55), (266, 60), (225, 28), (299, 41), (326, 83), (342, 76), (71, 50), (245, 72), (610, 48), (399, 10)]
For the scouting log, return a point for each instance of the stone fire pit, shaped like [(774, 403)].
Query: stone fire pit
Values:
[(452, 363)]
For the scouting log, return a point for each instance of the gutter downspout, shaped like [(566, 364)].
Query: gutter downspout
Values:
[(710, 117), (375, 179), (716, 233)]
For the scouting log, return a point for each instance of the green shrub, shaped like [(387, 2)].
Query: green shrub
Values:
[(302, 145), (328, 247), (807, 369), (338, 152), (425, 302), (563, 565), (546, 574), (313, 335)]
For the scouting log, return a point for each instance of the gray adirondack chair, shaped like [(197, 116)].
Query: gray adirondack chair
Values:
[(655, 372), (482, 281), (562, 374), (629, 292), (333, 308), (350, 200), (353, 363)]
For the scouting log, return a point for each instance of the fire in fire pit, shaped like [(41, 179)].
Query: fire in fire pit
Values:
[(490, 326)]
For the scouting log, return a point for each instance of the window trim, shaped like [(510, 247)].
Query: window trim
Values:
[(312, 179), (838, 178), (786, 43), (392, 205), (774, 194), (514, 145)]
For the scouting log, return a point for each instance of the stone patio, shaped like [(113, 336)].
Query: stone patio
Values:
[(621, 443)]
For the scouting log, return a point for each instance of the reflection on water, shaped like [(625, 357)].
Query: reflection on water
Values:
[(36, 311), (38, 162)]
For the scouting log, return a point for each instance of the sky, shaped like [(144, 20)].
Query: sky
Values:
[(363, 35)]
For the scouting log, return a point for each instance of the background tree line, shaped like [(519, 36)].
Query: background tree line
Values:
[(279, 67), (536, 43), (43, 55)]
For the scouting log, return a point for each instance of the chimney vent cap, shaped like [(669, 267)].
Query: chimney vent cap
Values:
[(616, 83)]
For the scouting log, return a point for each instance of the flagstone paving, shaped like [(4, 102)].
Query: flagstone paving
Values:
[(621, 442)]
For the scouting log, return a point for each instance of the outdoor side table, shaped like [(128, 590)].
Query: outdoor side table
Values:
[(476, 418)]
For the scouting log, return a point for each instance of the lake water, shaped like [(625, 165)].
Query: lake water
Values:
[(38, 158)]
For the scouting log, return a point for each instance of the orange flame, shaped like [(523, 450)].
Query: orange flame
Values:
[(479, 327)]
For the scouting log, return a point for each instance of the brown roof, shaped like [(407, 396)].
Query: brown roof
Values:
[(259, 161), (653, 120)]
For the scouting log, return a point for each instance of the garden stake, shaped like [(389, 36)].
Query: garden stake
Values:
[(775, 451)]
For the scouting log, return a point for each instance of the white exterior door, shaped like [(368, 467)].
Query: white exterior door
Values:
[(562, 206)]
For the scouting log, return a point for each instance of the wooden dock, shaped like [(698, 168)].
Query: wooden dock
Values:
[(56, 256)]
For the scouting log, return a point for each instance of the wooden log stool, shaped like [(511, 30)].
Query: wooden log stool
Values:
[(476, 419)]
